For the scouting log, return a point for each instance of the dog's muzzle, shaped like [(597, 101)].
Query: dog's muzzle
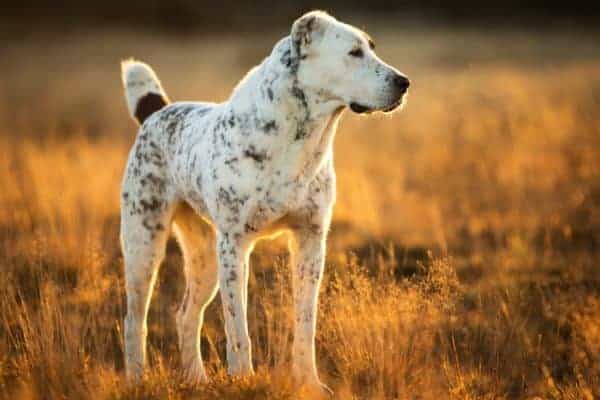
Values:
[(400, 85)]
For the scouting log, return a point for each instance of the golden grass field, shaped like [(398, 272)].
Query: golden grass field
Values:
[(463, 257)]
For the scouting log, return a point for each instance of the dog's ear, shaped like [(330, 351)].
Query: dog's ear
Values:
[(309, 28)]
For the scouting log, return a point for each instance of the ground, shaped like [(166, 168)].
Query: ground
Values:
[(462, 260)]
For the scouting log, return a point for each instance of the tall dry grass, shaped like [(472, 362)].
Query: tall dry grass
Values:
[(462, 260)]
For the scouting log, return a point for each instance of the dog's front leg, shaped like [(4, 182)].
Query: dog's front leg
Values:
[(232, 248), (308, 257)]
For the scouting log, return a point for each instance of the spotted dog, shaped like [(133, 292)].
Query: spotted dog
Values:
[(223, 175)]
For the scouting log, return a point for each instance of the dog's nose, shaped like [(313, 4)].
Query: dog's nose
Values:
[(401, 82)]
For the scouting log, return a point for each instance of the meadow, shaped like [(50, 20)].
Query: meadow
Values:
[(463, 257)]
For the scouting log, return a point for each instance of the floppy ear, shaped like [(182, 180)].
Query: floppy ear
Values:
[(308, 29)]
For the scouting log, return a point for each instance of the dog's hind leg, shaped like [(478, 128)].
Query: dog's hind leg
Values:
[(197, 241), (145, 224)]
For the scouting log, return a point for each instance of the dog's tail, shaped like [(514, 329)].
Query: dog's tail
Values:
[(143, 90)]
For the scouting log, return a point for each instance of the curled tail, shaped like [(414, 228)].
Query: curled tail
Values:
[(143, 90)]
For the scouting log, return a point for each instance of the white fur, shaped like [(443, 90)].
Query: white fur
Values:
[(138, 79), (224, 175)]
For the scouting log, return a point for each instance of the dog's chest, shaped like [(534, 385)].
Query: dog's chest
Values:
[(285, 195), (264, 190), (249, 170), (252, 183)]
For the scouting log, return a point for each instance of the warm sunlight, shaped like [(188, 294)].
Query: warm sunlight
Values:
[(462, 256)]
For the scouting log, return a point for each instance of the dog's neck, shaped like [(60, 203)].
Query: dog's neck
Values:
[(303, 120)]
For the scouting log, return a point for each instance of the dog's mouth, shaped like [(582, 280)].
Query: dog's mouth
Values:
[(395, 105), (362, 109)]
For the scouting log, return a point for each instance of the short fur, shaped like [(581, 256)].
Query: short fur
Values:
[(223, 175)]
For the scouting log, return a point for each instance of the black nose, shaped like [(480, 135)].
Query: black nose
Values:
[(401, 82)]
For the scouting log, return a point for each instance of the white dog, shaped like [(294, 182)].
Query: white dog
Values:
[(224, 175)]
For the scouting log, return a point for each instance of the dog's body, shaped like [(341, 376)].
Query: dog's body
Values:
[(224, 175)]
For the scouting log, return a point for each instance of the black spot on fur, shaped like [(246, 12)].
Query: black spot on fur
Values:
[(298, 94), (286, 58), (258, 156), (150, 205), (158, 182), (148, 105), (270, 126), (232, 277), (249, 228), (147, 223)]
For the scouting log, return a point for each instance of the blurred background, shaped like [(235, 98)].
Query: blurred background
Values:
[(462, 259), (229, 16)]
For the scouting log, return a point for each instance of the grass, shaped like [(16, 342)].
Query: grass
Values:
[(462, 260)]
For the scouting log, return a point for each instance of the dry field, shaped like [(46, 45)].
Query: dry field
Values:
[(463, 257)]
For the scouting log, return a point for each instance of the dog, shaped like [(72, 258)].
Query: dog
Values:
[(221, 176)]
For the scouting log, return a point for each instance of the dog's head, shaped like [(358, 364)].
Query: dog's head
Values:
[(338, 62)]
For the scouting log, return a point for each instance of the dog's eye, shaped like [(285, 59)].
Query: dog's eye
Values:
[(356, 52)]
